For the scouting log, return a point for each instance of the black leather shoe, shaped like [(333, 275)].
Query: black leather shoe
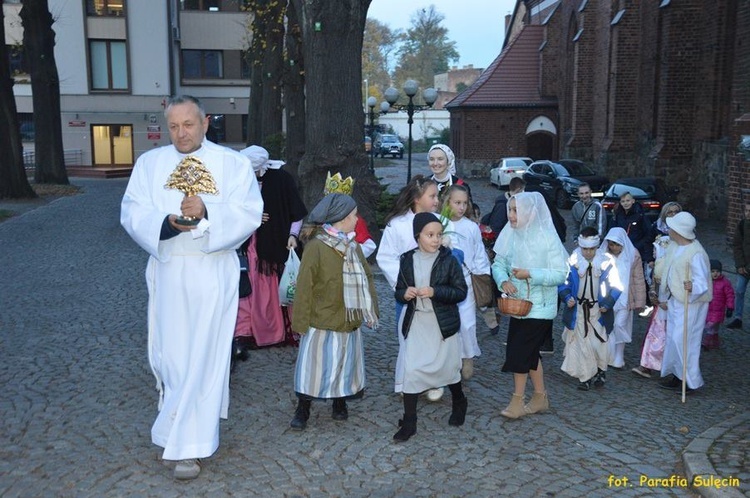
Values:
[(671, 382), (239, 350), (339, 410)]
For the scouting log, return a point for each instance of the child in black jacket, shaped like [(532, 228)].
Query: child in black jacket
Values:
[(431, 284)]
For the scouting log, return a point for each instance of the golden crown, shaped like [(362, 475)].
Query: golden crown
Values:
[(337, 185)]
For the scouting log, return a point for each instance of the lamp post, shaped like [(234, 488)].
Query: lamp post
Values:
[(371, 101), (411, 88)]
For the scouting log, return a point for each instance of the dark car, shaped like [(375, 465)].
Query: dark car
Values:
[(389, 145), (560, 182), (652, 193)]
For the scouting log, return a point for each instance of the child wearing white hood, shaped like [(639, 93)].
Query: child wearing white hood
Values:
[(629, 265)]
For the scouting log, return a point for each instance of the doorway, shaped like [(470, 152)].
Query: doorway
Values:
[(113, 145), (540, 145)]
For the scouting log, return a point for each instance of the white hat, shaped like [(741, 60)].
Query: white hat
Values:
[(258, 156), (683, 223)]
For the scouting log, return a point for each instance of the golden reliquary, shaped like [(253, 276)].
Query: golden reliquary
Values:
[(191, 177)]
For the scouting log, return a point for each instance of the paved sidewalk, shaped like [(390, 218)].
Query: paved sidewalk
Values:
[(79, 399)]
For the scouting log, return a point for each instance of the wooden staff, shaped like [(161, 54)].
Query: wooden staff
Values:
[(685, 331)]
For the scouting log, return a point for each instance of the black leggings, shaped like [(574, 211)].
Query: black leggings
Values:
[(410, 400)]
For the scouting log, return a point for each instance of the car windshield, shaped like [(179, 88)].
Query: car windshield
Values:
[(388, 138), (578, 169), (618, 189), (647, 185)]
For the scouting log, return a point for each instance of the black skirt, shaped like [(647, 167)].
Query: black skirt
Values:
[(525, 338)]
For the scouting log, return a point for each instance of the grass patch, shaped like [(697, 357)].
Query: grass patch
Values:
[(51, 190), (5, 214)]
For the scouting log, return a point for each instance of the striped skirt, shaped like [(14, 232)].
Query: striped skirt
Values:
[(330, 364)]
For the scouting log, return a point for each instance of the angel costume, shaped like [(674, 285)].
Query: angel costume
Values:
[(193, 283)]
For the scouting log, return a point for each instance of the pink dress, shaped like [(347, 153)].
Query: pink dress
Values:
[(653, 344), (260, 315)]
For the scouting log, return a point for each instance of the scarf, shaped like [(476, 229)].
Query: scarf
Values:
[(357, 299)]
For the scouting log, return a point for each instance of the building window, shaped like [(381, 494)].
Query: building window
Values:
[(215, 5), (202, 64), (105, 7), (18, 65), (245, 67), (109, 65), (211, 5)]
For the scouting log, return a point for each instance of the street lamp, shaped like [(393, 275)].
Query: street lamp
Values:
[(371, 101), (411, 88)]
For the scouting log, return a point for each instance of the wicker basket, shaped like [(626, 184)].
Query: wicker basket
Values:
[(513, 306)]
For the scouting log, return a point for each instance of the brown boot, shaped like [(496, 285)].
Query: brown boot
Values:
[(515, 409), (537, 404)]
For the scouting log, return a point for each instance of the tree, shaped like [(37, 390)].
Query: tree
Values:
[(378, 46), (39, 49), (332, 34), (266, 65), (13, 181), (426, 50), (294, 93)]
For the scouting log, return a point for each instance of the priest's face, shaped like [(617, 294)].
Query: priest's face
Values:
[(186, 127)]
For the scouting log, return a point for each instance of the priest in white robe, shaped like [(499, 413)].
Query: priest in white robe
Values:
[(192, 277)]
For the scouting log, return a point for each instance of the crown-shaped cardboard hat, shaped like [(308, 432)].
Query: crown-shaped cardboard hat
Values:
[(337, 185)]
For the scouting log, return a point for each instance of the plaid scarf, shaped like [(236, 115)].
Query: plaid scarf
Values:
[(357, 299)]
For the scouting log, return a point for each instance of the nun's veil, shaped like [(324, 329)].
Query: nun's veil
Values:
[(533, 243)]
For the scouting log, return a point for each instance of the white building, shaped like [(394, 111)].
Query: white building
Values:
[(119, 61)]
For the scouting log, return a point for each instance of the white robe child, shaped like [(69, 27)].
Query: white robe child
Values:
[(193, 285), (697, 311), (467, 237)]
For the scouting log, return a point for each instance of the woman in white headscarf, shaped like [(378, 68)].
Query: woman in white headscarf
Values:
[(618, 247), (530, 262), (261, 320), (443, 166)]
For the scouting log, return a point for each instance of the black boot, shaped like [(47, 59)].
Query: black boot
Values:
[(239, 350), (301, 414), (458, 415), (339, 411), (407, 430)]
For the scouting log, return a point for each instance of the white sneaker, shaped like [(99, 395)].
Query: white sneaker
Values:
[(187, 469), (435, 394)]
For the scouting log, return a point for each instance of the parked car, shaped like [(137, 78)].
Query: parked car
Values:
[(508, 168), (560, 183), (389, 145), (652, 193)]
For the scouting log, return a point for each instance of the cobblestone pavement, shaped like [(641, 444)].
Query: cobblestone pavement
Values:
[(79, 399)]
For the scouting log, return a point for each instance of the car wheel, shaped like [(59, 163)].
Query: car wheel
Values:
[(400, 155), (561, 199)]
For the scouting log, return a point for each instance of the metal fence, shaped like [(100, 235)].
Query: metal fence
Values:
[(73, 157)]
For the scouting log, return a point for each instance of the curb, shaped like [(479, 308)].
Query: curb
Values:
[(697, 463)]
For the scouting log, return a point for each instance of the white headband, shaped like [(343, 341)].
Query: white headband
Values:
[(588, 242)]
